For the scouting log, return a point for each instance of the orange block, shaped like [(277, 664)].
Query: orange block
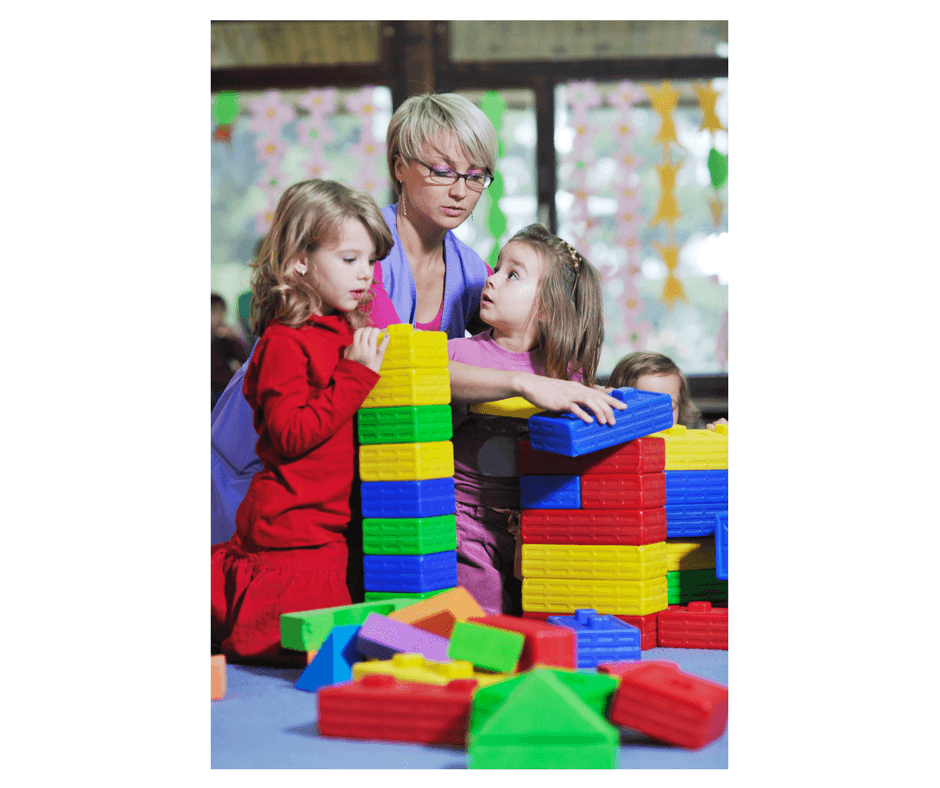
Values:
[(218, 676), (310, 656), (439, 613)]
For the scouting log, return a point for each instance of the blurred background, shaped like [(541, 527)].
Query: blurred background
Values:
[(613, 134)]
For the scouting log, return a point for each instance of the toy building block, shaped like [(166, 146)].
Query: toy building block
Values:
[(381, 637), (697, 486), (410, 572), (698, 625), (333, 661), (404, 387), (619, 669), (219, 677), (545, 644), (550, 492), (379, 707), (666, 704), (624, 597), (721, 545), (630, 491), (691, 553), (593, 689), (600, 562), (695, 585), (646, 624), (411, 424), (439, 613), (409, 535), (393, 462), (601, 638), (512, 407), (695, 450), (485, 647), (410, 349), (378, 596), (416, 669), (593, 526), (643, 455), (692, 519), (567, 434), (542, 724), (306, 630), (410, 498)]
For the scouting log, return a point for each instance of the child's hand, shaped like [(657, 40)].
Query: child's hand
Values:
[(553, 394), (366, 348), (711, 426)]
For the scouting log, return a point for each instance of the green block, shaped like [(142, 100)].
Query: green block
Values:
[(542, 724), (307, 630), (409, 535), (406, 424), (486, 647), (695, 585), (413, 596), (594, 689)]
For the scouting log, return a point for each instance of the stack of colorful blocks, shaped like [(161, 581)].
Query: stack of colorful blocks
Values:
[(406, 465)]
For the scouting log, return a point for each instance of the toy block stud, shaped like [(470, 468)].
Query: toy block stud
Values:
[(485, 647), (334, 660), (219, 677), (381, 637)]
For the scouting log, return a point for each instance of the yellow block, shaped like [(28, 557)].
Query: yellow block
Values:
[(402, 462), (600, 562), (400, 387), (695, 450), (685, 553), (415, 668), (410, 349), (623, 597), (514, 407)]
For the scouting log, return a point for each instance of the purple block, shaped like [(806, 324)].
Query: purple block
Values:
[(382, 637)]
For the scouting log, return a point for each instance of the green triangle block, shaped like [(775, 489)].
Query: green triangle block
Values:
[(542, 724)]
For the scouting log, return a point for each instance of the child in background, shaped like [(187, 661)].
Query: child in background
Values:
[(544, 304), (313, 367), (659, 373)]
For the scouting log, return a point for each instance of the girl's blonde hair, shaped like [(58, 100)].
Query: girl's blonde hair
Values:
[(421, 119), (634, 366), (309, 214), (570, 308)]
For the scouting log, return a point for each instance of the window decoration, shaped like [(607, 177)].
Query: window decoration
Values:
[(494, 106)]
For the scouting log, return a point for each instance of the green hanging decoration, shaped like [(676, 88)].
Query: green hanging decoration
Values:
[(717, 168), (225, 107), (494, 105)]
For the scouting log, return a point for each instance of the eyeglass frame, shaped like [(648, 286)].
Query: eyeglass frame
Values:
[(458, 176)]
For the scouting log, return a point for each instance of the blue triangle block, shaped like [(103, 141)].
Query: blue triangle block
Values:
[(333, 662)]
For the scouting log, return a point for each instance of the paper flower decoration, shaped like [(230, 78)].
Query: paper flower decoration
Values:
[(314, 131), (625, 95), (707, 97), (664, 100), (269, 114), (319, 103), (668, 208), (269, 150), (265, 216), (362, 101)]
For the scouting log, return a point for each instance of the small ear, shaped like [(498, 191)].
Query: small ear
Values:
[(300, 266), (398, 163)]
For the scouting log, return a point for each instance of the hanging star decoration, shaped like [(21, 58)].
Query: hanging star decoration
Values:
[(668, 208), (664, 100), (707, 96), (672, 289)]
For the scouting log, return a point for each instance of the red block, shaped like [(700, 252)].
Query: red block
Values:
[(648, 627), (545, 644), (666, 704), (629, 491), (600, 526), (697, 625), (643, 455), (379, 707)]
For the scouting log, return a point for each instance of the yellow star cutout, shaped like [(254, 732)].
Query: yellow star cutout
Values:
[(718, 209), (707, 97), (672, 289), (664, 100), (668, 208)]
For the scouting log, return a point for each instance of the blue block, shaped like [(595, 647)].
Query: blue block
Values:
[(565, 433), (334, 660), (696, 486), (424, 498), (601, 638), (721, 545), (550, 492), (410, 573), (692, 519)]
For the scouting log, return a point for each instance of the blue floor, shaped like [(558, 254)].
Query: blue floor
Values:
[(264, 723)]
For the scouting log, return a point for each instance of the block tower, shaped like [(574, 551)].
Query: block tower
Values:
[(406, 468)]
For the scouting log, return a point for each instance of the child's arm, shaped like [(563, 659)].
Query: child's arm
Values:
[(470, 384)]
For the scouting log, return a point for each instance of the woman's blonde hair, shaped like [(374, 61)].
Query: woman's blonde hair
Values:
[(309, 214), (421, 119), (570, 308), (634, 366)]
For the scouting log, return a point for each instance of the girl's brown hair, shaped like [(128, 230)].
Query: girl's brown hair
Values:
[(570, 308), (633, 366), (308, 215)]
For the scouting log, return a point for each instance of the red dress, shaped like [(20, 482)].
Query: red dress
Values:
[(288, 552)]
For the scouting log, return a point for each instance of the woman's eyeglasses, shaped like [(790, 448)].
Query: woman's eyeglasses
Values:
[(445, 176)]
